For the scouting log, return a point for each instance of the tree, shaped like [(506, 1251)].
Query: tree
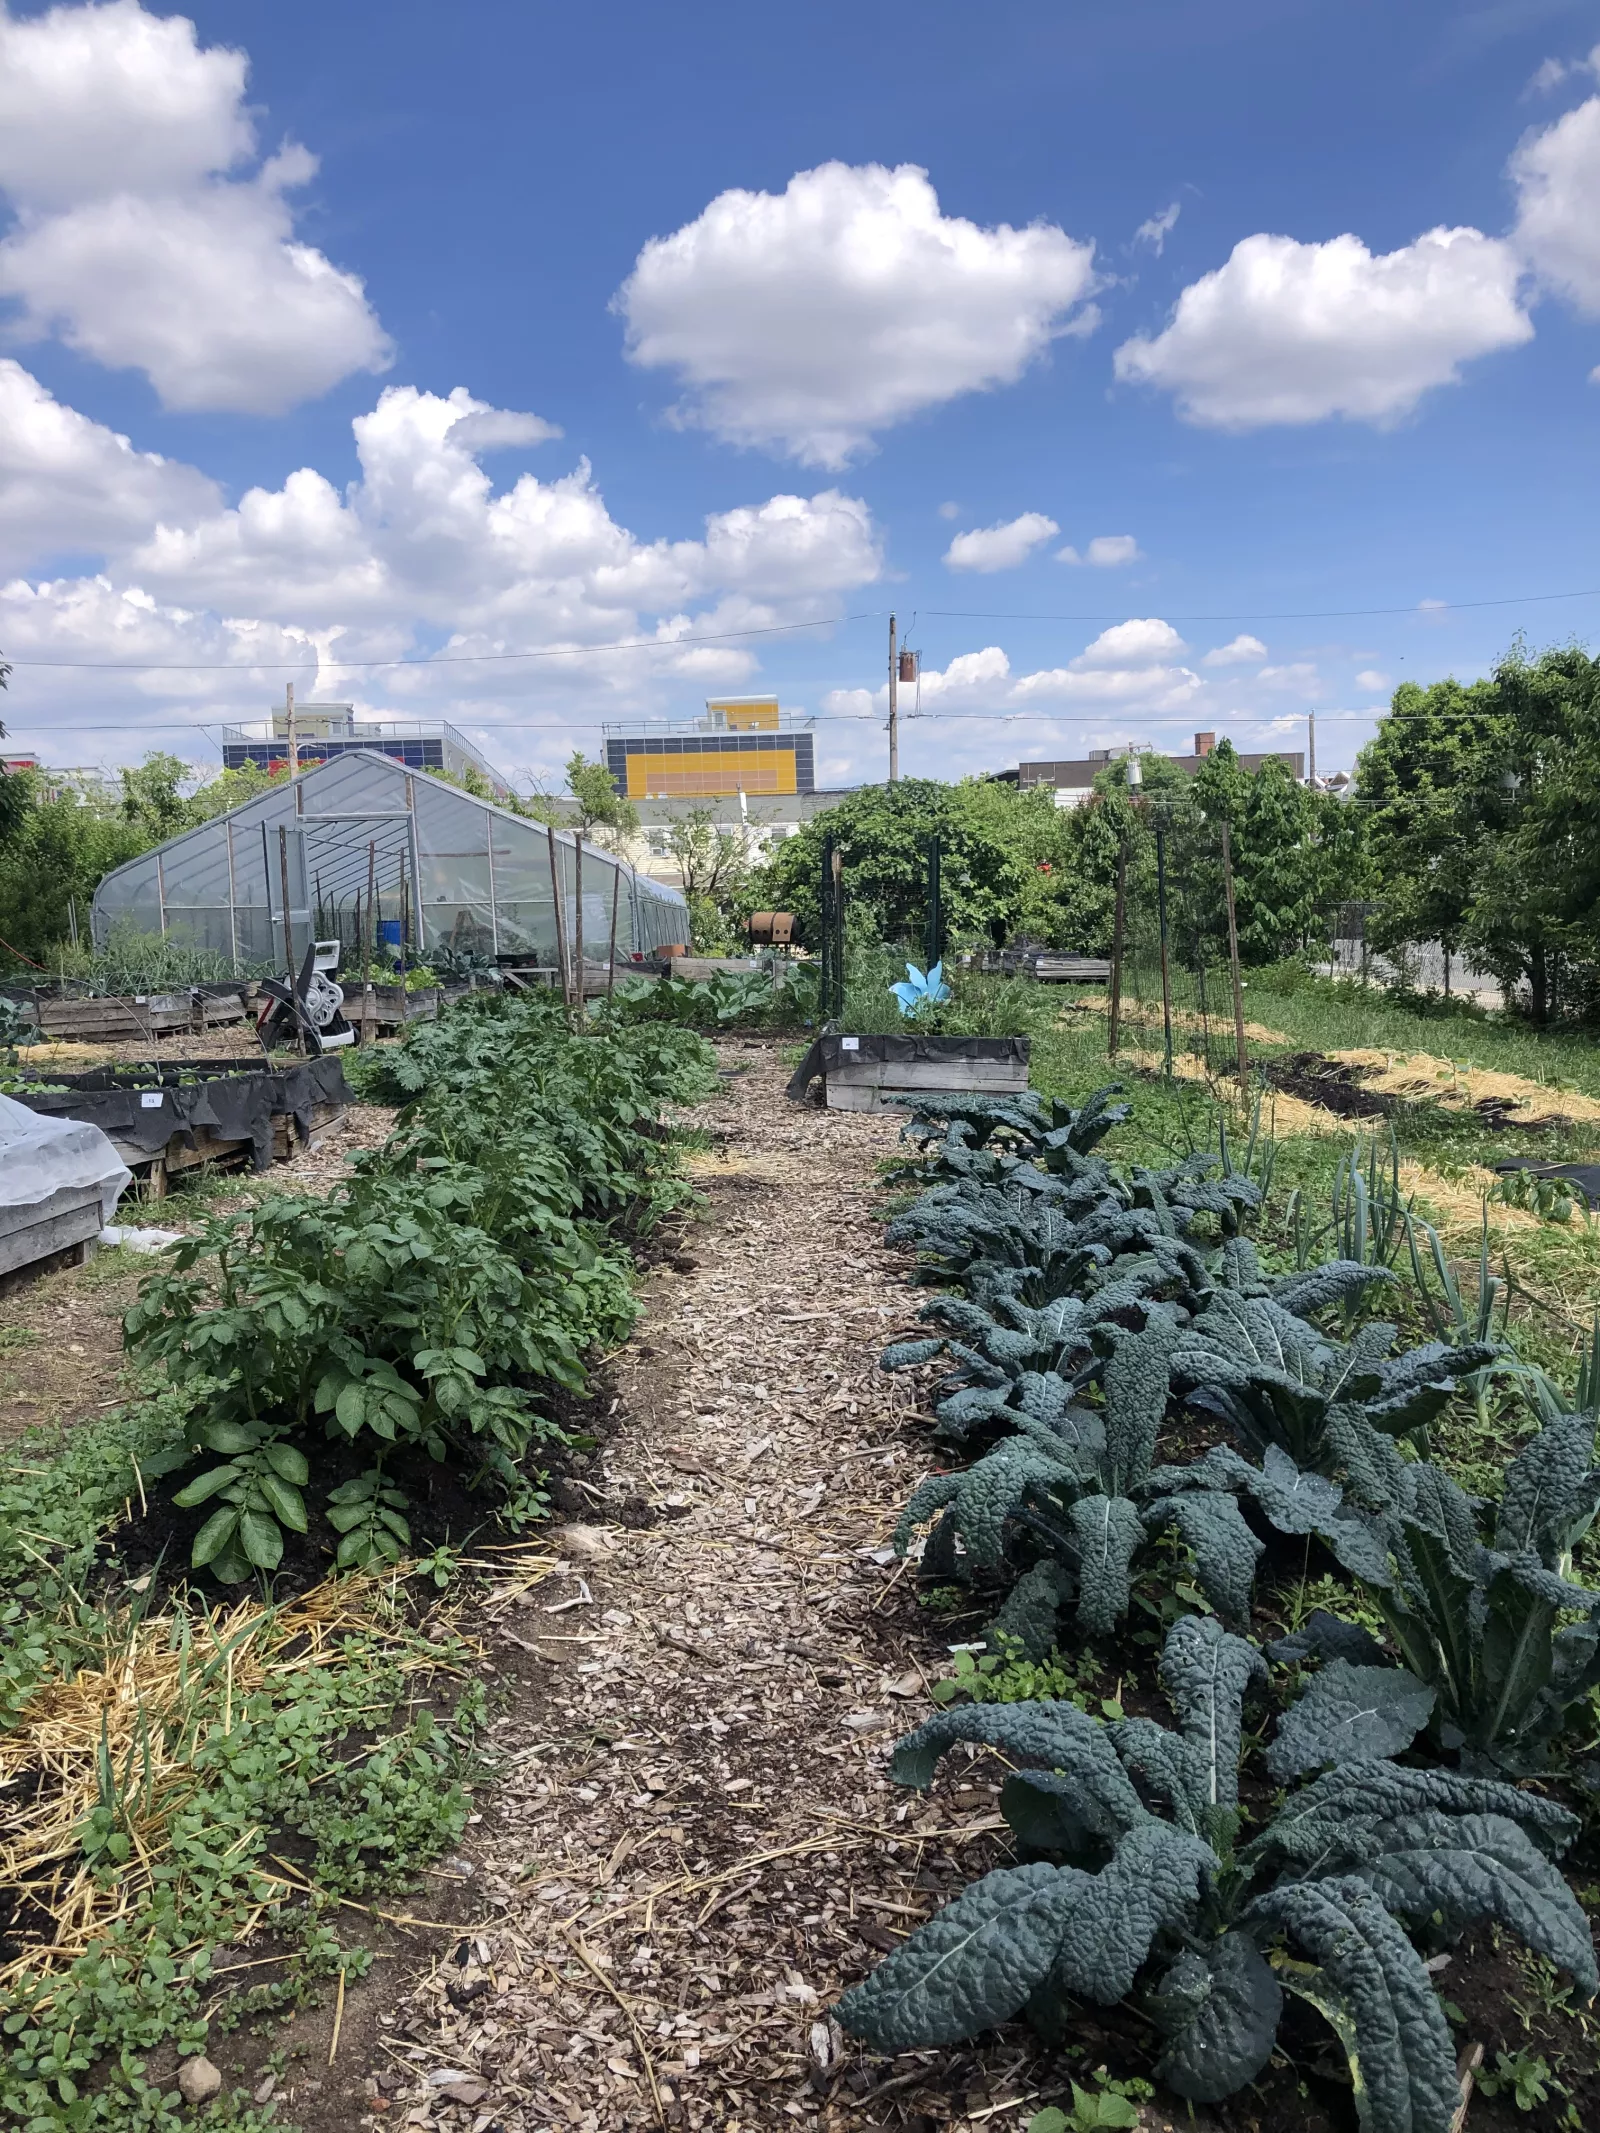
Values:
[(56, 856), (232, 788), (881, 834), (714, 863), (1527, 810), (597, 804), (151, 798), (1409, 787)]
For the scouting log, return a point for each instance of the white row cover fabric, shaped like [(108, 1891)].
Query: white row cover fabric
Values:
[(38, 1156)]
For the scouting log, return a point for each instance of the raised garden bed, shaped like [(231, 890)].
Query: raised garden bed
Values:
[(173, 1118), (865, 1073), (69, 1018), (67, 1220)]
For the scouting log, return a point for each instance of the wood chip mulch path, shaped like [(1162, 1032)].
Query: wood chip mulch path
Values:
[(693, 1845)]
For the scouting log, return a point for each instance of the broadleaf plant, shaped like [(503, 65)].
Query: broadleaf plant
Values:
[(1157, 1890)]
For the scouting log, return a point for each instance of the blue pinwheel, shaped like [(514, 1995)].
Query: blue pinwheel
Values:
[(918, 989)]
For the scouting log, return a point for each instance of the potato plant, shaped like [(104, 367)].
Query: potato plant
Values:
[(468, 1265)]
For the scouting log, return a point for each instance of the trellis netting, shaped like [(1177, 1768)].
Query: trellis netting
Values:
[(446, 870)]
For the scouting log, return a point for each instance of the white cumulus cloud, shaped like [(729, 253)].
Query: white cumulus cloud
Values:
[(1001, 547), (1370, 678), (142, 238), (805, 321), (1241, 651), (423, 550), (1288, 332), (1107, 551), (1143, 641), (68, 485), (1556, 172)]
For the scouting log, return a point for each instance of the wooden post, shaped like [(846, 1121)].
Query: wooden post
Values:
[(894, 708), (560, 915), (611, 957), (1116, 949), (1161, 911), (369, 941), (1241, 1058), (577, 921)]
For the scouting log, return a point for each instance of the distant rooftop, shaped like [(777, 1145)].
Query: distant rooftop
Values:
[(1078, 775), (323, 731)]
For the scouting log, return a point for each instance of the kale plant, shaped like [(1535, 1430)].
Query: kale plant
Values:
[(1485, 1658), (1331, 1405), (1156, 1891), (1069, 1505), (988, 1137)]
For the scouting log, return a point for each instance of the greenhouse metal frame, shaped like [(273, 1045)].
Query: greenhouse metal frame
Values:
[(361, 848)]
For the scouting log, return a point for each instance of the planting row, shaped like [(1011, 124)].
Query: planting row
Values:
[(435, 1299), (1090, 1318)]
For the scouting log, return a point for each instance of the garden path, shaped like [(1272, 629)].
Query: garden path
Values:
[(695, 1843)]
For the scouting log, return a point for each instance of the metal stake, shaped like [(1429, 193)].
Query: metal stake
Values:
[(577, 919), (1116, 948), (1161, 909)]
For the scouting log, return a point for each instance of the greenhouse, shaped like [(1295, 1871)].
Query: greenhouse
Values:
[(364, 850)]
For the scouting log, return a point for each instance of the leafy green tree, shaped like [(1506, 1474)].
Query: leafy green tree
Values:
[(55, 856), (713, 860), (881, 834), (596, 802), (232, 788), (1527, 809), (152, 798), (1410, 782)]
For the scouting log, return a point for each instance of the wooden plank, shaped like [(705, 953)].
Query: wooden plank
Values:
[(873, 1096), (972, 1074), (70, 1216)]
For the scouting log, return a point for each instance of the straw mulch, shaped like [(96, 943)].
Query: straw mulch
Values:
[(695, 1844), (123, 1732)]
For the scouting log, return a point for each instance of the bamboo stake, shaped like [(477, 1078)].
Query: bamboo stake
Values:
[(1116, 948), (1241, 1058)]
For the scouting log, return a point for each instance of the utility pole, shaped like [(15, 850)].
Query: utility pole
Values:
[(1311, 765), (294, 738), (894, 708)]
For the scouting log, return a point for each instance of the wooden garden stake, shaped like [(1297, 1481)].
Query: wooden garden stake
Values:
[(1241, 1058), (1161, 911), (1116, 948), (611, 958)]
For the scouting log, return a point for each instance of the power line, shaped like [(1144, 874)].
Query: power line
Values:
[(777, 629)]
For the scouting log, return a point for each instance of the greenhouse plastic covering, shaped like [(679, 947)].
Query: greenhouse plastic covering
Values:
[(38, 1156), (449, 870)]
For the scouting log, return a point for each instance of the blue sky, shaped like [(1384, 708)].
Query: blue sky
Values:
[(1290, 310)]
